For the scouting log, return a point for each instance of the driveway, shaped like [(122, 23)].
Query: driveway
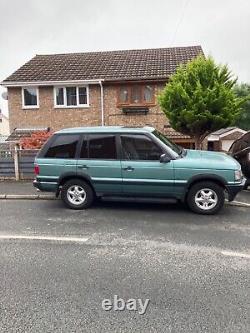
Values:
[(58, 265)]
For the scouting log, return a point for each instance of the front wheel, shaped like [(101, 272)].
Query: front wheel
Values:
[(206, 198), (77, 194)]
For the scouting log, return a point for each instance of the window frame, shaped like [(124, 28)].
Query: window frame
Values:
[(129, 88), (65, 106), (50, 142), (85, 136), (163, 148), (37, 98)]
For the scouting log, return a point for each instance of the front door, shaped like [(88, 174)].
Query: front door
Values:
[(99, 160), (142, 172)]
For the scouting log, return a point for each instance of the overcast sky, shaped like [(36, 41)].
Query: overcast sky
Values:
[(29, 27)]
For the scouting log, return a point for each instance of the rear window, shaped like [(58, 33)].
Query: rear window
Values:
[(63, 146)]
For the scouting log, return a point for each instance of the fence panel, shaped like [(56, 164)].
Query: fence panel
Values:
[(7, 168), (26, 163)]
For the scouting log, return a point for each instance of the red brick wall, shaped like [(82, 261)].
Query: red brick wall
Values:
[(57, 118)]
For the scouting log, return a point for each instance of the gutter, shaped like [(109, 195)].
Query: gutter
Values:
[(48, 83), (102, 102)]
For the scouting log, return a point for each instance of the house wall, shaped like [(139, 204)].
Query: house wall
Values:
[(57, 118)]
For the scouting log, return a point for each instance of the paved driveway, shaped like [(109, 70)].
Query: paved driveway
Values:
[(57, 266)]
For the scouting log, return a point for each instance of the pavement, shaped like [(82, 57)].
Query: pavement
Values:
[(58, 265)]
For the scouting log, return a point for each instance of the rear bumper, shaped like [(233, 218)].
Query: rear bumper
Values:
[(45, 186), (234, 189)]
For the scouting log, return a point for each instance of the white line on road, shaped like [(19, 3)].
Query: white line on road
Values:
[(235, 254), (239, 204), (45, 238)]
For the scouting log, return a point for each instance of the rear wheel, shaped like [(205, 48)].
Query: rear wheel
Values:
[(206, 198), (77, 194)]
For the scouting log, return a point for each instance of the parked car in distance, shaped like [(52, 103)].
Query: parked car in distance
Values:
[(88, 162), (240, 150)]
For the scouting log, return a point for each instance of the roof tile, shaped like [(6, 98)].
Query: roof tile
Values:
[(109, 65)]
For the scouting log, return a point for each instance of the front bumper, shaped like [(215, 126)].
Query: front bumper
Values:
[(234, 189)]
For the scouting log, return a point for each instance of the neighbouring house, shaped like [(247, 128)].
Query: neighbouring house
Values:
[(95, 88), (222, 139), (4, 125)]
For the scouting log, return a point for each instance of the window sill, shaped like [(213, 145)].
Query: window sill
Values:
[(71, 106), (32, 107), (136, 105)]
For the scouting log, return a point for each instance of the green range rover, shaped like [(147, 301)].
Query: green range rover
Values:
[(120, 162)]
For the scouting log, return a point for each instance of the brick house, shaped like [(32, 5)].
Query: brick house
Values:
[(95, 88)]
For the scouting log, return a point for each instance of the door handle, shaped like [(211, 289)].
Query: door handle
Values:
[(82, 167), (128, 168)]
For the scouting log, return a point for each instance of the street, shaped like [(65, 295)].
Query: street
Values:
[(58, 265)]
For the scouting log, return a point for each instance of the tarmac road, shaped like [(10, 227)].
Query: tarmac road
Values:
[(57, 266)]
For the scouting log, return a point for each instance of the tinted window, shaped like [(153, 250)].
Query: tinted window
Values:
[(64, 146), (140, 147), (102, 146)]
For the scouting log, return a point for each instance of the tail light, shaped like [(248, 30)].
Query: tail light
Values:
[(36, 169)]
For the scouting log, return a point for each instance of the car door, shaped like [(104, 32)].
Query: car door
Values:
[(142, 172), (99, 160)]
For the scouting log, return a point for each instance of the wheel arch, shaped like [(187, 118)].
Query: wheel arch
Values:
[(206, 177), (70, 175)]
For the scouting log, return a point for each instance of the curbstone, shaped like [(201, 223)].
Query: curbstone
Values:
[(27, 197), (21, 196)]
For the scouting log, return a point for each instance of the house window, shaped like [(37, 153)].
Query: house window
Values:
[(71, 96), (30, 97), (136, 95)]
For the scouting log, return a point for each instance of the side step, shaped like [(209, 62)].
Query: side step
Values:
[(139, 199)]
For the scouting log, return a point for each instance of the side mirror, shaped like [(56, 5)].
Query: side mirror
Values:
[(164, 158)]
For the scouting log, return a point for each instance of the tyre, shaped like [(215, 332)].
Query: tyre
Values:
[(206, 198), (77, 194)]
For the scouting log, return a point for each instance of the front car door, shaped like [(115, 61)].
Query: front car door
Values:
[(99, 161), (142, 172)]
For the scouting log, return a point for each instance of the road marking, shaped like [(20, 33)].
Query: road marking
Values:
[(239, 203), (46, 238), (235, 254)]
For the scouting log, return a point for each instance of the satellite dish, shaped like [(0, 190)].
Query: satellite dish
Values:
[(5, 95)]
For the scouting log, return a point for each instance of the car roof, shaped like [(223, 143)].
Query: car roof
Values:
[(106, 129)]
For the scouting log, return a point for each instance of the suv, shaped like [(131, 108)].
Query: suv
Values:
[(89, 162)]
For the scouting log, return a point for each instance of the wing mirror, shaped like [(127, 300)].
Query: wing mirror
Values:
[(164, 158)]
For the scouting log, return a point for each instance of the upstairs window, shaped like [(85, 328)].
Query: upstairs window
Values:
[(71, 97), (30, 97), (136, 95)]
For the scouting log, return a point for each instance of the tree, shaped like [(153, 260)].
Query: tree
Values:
[(243, 91), (199, 99), (36, 140)]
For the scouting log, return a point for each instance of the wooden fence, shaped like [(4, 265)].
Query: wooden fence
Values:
[(17, 164)]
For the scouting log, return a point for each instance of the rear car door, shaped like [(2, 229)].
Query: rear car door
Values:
[(99, 160), (142, 172)]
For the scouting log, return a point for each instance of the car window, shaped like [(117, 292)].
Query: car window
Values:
[(63, 146), (102, 146), (140, 147)]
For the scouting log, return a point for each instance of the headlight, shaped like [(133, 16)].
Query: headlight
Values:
[(237, 175)]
